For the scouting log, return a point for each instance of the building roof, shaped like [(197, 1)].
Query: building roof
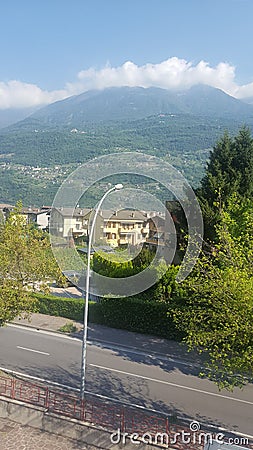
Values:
[(6, 205), (36, 211), (69, 212), (157, 220), (124, 214)]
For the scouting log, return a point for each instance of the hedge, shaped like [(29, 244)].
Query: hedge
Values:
[(70, 308), (136, 314), (132, 314)]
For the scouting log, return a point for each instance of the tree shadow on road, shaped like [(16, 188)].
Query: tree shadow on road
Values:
[(111, 387)]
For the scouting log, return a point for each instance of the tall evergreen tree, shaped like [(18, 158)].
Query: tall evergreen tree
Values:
[(243, 162), (229, 170)]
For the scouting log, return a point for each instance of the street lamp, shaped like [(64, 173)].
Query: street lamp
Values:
[(117, 187)]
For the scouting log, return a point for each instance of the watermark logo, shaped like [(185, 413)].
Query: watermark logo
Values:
[(119, 165), (180, 437), (194, 426)]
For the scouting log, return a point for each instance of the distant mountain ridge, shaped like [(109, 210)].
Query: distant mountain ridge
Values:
[(124, 103), (13, 115), (37, 153)]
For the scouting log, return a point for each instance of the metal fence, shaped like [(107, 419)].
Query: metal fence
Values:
[(100, 413)]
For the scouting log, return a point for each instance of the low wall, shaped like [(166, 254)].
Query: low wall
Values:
[(84, 433)]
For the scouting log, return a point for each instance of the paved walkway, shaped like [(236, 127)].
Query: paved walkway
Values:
[(14, 436)]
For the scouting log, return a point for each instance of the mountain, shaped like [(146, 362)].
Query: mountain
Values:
[(13, 115), (123, 103), (37, 153)]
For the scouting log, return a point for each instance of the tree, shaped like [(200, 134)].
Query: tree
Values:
[(217, 312), (26, 264), (243, 162), (229, 170)]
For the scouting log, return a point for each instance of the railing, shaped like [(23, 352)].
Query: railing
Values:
[(101, 413)]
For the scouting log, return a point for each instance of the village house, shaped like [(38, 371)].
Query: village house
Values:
[(38, 216), (69, 223)]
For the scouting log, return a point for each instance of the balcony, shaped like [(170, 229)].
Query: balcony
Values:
[(126, 230)]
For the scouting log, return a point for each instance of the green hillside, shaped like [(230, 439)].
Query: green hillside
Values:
[(34, 163)]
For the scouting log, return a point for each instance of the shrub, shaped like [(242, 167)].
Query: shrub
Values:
[(136, 314), (132, 314), (70, 308), (68, 328)]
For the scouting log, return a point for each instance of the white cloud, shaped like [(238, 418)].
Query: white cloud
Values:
[(173, 73), (16, 94)]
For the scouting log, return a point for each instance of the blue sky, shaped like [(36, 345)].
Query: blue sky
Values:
[(54, 48)]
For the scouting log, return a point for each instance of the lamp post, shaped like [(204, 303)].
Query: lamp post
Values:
[(87, 285)]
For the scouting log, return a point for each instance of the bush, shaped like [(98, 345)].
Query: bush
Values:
[(132, 314), (68, 328), (136, 314), (70, 308)]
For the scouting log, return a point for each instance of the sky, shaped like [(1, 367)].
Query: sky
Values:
[(52, 49)]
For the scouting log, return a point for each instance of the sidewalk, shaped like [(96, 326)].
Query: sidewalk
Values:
[(14, 436)]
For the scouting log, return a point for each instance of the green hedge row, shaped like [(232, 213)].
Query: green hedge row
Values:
[(136, 314), (70, 308), (132, 314)]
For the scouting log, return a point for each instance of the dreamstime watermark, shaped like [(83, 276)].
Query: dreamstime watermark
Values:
[(132, 164), (192, 436)]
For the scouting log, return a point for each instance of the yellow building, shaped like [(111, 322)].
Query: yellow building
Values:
[(112, 227), (124, 227)]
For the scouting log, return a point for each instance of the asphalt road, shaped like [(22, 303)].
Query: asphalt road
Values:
[(135, 377)]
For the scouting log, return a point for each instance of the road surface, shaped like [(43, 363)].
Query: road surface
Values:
[(132, 376)]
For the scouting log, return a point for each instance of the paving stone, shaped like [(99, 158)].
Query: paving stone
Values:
[(14, 436)]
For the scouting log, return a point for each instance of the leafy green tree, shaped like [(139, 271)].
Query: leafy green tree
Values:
[(217, 312), (115, 266), (26, 264), (166, 289)]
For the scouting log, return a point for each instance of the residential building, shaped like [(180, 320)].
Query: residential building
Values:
[(38, 216), (68, 223), (125, 227), (164, 235), (112, 227)]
